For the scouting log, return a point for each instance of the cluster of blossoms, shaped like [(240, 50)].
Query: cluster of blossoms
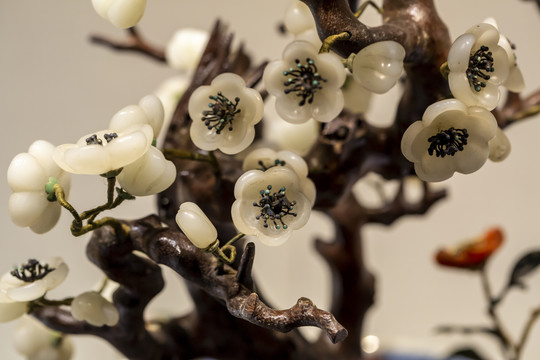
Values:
[(461, 134), (123, 151)]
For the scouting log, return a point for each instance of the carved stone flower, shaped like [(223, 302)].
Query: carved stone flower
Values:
[(35, 341), (28, 282), (224, 114), (472, 254), (378, 66), (478, 66), (270, 204), (450, 137), (121, 13), (195, 225), (27, 175), (265, 158), (104, 151), (499, 146), (93, 308), (306, 84)]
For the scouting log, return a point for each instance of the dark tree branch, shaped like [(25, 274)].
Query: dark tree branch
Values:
[(133, 43)]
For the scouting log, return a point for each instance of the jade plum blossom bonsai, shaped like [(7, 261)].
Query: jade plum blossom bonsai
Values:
[(219, 185)]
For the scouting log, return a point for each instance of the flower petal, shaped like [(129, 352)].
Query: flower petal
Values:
[(25, 208), (25, 173), (195, 225)]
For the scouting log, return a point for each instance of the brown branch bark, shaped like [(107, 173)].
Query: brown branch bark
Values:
[(134, 43)]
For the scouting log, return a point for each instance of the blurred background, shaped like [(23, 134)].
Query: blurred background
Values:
[(56, 85)]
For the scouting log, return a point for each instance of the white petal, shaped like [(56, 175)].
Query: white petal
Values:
[(298, 18), (57, 276), (150, 174), (328, 105), (25, 173), (26, 208), (126, 13), (499, 146), (29, 292), (47, 220), (460, 52), (357, 98), (42, 150), (127, 117), (196, 225), (153, 108), (185, 48), (515, 81), (102, 7), (129, 146), (487, 97), (93, 308)]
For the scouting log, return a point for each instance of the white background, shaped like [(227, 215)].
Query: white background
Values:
[(55, 85)]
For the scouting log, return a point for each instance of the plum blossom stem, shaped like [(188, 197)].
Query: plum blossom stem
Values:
[(188, 155), (61, 198)]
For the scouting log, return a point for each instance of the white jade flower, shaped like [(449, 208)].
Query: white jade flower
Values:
[(306, 84), (35, 341), (121, 13), (148, 111), (499, 146), (270, 204), (93, 308), (265, 158), (28, 282), (514, 82), (27, 175), (298, 138), (478, 65), (104, 151), (185, 49), (224, 114), (195, 225), (450, 137), (148, 175), (357, 98), (378, 66)]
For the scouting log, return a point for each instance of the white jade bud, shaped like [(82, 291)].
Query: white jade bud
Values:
[(196, 225)]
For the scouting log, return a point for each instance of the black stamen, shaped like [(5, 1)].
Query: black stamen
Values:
[(110, 137), (222, 113), (93, 140), (276, 163), (31, 271), (305, 81), (448, 142), (480, 63), (274, 206)]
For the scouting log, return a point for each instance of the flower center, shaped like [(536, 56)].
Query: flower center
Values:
[(31, 271), (304, 81), (94, 140), (480, 63), (277, 162), (274, 207), (448, 142), (222, 113)]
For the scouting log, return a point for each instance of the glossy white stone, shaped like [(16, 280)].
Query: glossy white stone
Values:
[(93, 308), (195, 225), (184, 50), (121, 13)]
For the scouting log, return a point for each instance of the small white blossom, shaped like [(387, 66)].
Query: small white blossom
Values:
[(224, 114), (195, 225), (306, 84), (450, 137), (33, 280), (298, 138), (27, 175), (35, 341), (378, 66), (148, 111), (104, 151), (478, 65), (93, 308), (270, 204), (148, 175), (499, 146), (184, 50), (121, 13)]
